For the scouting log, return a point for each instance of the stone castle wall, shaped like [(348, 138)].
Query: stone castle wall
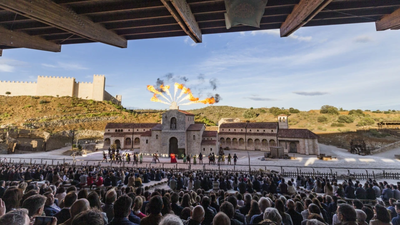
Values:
[(60, 86)]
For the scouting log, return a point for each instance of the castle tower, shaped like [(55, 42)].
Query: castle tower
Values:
[(99, 83), (283, 122)]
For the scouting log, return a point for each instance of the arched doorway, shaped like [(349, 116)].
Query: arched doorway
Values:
[(241, 141), (117, 143), (271, 142), (128, 142), (107, 142), (222, 141), (234, 141), (293, 147), (136, 141), (228, 141), (173, 146), (173, 123)]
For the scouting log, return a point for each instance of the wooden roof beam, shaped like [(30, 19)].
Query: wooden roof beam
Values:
[(58, 16), (22, 40), (302, 13), (182, 13), (390, 21)]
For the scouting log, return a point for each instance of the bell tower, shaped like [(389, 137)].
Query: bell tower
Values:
[(283, 121)]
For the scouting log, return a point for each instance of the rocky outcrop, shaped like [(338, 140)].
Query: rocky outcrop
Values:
[(60, 123)]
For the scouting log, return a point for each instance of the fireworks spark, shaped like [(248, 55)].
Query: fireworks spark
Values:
[(174, 101)]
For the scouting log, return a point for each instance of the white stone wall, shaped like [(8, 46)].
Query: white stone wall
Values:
[(18, 88), (55, 86)]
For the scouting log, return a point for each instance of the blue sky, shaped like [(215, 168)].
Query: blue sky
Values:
[(349, 66)]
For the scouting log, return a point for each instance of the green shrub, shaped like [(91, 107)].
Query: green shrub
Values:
[(337, 125), (43, 102), (249, 113), (293, 110), (377, 111), (27, 106), (356, 112), (327, 109), (345, 119), (322, 119), (367, 121)]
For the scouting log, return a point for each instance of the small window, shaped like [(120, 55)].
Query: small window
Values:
[(241, 129), (147, 141), (204, 149), (257, 130), (250, 130), (156, 136), (222, 129), (129, 130), (116, 130), (210, 149), (272, 130), (229, 130), (108, 130), (263, 130), (194, 137), (144, 129), (234, 129), (137, 129)]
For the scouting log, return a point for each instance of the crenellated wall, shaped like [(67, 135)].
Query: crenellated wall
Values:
[(60, 86), (55, 86), (17, 88)]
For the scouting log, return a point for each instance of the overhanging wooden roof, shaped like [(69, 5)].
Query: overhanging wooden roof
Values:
[(48, 24)]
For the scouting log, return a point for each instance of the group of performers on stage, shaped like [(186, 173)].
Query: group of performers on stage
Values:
[(117, 156), (212, 158)]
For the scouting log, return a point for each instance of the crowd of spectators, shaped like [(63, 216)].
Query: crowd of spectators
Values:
[(100, 196)]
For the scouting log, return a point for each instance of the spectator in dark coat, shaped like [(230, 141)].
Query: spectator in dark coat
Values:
[(208, 213)]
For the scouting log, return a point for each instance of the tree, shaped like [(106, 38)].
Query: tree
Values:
[(345, 119), (322, 119), (293, 110), (356, 112), (327, 109), (8, 93), (249, 114)]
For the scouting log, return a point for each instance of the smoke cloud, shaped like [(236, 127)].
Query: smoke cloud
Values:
[(159, 82), (213, 83), (217, 98)]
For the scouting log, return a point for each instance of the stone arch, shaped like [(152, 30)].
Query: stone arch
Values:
[(107, 142), (117, 142), (241, 141), (228, 141), (128, 141), (264, 142), (173, 123), (173, 146), (234, 141), (249, 142), (222, 140), (257, 142), (136, 141), (272, 142)]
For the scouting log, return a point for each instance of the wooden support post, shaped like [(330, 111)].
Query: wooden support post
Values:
[(390, 21), (301, 15), (53, 14)]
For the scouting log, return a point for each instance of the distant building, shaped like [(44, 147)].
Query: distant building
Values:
[(264, 135), (176, 134), (179, 134), (59, 87)]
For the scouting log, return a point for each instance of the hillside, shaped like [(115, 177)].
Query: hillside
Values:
[(53, 114)]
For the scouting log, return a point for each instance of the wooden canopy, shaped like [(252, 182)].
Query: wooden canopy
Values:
[(48, 24)]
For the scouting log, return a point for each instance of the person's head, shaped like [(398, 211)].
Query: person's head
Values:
[(397, 207), (361, 216), (357, 204), (50, 198), (206, 202), (382, 213), (155, 205), (94, 200), (122, 207), (221, 219), (346, 213), (2, 183), (228, 209), (186, 213), (198, 213), (69, 199), (111, 196), (263, 203), (247, 198), (254, 208), (273, 215), (138, 203), (174, 198), (369, 212), (171, 219), (12, 197), (35, 205), (82, 194), (232, 199), (89, 217), (16, 217), (79, 206), (313, 208), (290, 204)]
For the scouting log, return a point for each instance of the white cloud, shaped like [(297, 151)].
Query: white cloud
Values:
[(363, 39), (242, 33), (10, 65), (277, 33), (66, 66), (6, 68)]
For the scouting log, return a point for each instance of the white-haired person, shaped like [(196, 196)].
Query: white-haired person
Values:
[(171, 219), (272, 214)]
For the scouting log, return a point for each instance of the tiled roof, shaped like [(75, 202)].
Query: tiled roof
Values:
[(208, 142), (157, 127), (247, 134), (130, 125), (210, 133), (261, 125), (186, 113), (146, 134), (195, 127), (296, 133)]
